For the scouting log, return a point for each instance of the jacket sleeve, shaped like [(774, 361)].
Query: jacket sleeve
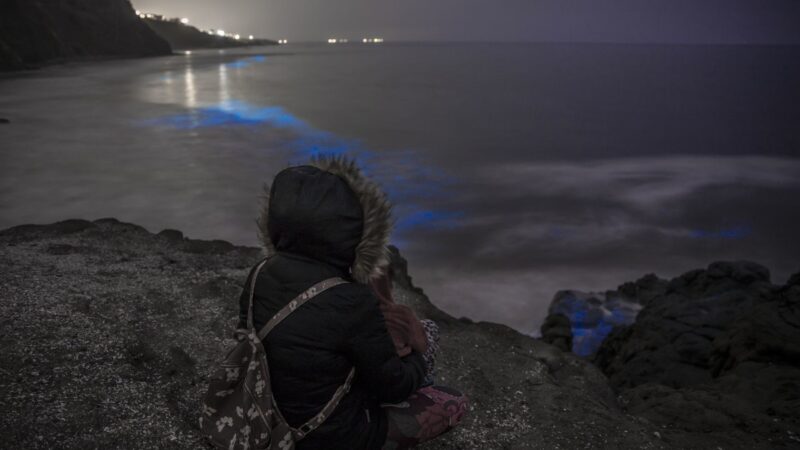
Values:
[(371, 350)]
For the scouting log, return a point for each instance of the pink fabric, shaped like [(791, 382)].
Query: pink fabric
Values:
[(429, 412)]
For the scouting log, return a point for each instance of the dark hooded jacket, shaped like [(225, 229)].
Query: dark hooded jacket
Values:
[(319, 221)]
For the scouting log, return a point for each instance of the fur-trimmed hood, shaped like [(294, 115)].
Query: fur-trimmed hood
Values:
[(328, 210)]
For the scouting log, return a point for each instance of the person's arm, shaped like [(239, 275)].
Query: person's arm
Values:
[(369, 347)]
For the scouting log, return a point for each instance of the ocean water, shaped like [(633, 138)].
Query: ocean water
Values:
[(516, 170)]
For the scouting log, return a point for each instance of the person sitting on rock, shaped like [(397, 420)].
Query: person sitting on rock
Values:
[(322, 220)]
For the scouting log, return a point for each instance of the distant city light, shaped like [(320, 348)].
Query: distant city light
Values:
[(184, 20), (236, 36), (372, 40), (283, 41), (250, 37), (331, 41), (220, 32), (187, 52)]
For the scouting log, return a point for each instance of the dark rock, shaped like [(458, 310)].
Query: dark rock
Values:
[(719, 350), (593, 315), (107, 221), (30, 231), (557, 331), (644, 289), (214, 247), (768, 332), (611, 346), (70, 226), (744, 272), (399, 265), (33, 32), (173, 236), (794, 280), (694, 410), (20, 231), (118, 227), (671, 341)]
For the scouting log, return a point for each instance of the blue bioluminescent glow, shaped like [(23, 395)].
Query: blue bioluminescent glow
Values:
[(593, 316), (230, 112), (245, 62), (738, 232), (405, 180)]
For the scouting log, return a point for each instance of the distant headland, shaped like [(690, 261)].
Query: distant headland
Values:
[(38, 32), (182, 36)]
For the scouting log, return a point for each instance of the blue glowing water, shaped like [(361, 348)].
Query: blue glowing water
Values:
[(307, 141), (593, 317), (515, 170)]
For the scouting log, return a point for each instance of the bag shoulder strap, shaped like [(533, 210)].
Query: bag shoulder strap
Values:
[(292, 306), (250, 325), (314, 422), (297, 302), (305, 296)]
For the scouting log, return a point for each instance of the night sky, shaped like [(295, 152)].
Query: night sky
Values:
[(634, 21)]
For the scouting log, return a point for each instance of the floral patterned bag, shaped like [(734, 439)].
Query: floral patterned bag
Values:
[(239, 410)]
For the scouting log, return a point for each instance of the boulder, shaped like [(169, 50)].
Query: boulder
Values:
[(719, 350), (671, 341), (594, 314)]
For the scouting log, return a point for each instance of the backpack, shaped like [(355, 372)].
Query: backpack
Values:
[(239, 410)]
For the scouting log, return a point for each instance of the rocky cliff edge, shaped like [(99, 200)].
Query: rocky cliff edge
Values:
[(109, 332)]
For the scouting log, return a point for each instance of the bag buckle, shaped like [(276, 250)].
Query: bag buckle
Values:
[(304, 430)]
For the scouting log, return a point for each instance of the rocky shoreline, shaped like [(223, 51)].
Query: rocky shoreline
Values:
[(109, 332)]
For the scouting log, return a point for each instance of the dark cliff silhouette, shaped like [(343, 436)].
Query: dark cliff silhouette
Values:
[(35, 32)]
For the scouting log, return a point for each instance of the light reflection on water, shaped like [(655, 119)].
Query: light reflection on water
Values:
[(190, 91), (404, 181)]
